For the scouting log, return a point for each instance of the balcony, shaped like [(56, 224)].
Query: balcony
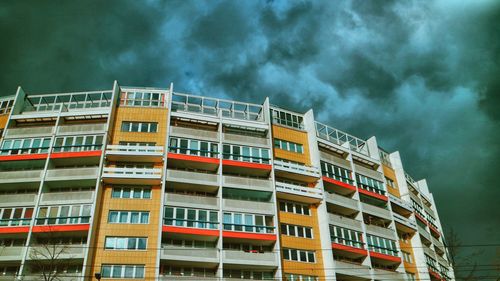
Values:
[(342, 201), (7, 200), (384, 258), (404, 224), (246, 165), (127, 153), (142, 176), (190, 201), (62, 224), (400, 206), (352, 269), (247, 183), (424, 234), (9, 254), (97, 128), (31, 131), (241, 233), (438, 246), (260, 260), (298, 193), (194, 133), (389, 275), (376, 211), (185, 180), (24, 176), (191, 229), (61, 251), (73, 154), (348, 248), (344, 222), (184, 158), (296, 171), (232, 205), (339, 185), (84, 175), (245, 140), (388, 233), (341, 139), (201, 256), (54, 198)]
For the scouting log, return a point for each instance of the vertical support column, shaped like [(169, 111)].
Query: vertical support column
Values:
[(220, 247)]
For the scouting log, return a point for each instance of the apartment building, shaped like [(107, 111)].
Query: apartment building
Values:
[(152, 184)]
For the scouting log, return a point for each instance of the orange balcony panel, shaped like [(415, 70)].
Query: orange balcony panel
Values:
[(247, 168), (434, 275), (353, 250), (373, 194), (20, 157), (92, 153), (420, 218), (434, 231), (248, 235), (15, 229), (192, 161), (61, 228), (385, 258), (339, 183), (191, 231)]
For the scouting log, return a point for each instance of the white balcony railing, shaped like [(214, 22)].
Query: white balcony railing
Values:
[(256, 259), (296, 168), (299, 190), (400, 202), (134, 150), (149, 173)]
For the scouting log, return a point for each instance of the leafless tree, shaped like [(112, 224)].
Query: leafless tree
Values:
[(464, 263), (48, 257)]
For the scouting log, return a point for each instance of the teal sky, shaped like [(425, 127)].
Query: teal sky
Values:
[(422, 76)]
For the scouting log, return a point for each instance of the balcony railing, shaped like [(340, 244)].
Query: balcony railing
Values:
[(193, 151), (246, 258), (338, 178), (248, 228), (347, 242), (62, 220), (296, 168), (405, 221), (134, 150), (132, 172), (24, 150), (383, 250), (68, 101), (340, 138), (77, 148), (252, 159), (400, 202), (299, 190), (214, 107), (15, 222), (204, 224)]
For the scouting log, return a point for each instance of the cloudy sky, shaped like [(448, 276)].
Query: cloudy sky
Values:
[(423, 76)]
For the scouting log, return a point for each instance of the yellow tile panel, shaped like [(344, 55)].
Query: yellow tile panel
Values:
[(3, 120), (294, 267), (140, 114), (389, 173), (295, 136)]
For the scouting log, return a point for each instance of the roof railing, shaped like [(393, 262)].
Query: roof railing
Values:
[(340, 138)]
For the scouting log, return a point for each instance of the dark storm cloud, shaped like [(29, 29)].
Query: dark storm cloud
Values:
[(423, 76)]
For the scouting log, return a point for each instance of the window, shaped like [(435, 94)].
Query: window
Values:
[(390, 182), (5, 106), (407, 257), (336, 172), (248, 223), (25, 146), (130, 217), (295, 208), (431, 263), (126, 243), (131, 192), (346, 236), (142, 127), (194, 147), (289, 146), (245, 153), (417, 207), (15, 216), (140, 98), (299, 255), (78, 143), (122, 271), (287, 119), (382, 245), (137, 143), (296, 230), (64, 214), (370, 184), (300, 277), (191, 218)]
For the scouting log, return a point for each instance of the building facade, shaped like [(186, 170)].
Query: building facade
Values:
[(152, 184)]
